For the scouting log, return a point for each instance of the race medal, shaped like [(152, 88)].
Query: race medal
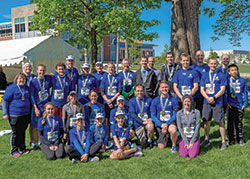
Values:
[(188, 131), (186, 90), (143, 116), (210, 88), (233, 95), (72, 122), (22, 98), (43, 95), (127, 82), (52, 136), (58, 94), (85, 91), (112, 90), (165, 116)]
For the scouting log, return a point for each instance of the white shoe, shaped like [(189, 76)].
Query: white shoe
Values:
[(74, 161), (94, 159)]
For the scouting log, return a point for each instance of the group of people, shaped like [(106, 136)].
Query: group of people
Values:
[(78, 114)]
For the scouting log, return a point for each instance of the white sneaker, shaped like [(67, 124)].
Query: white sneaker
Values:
[(74, 161), (94, 159)]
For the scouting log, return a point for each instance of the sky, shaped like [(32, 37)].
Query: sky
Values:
[(164, 15)]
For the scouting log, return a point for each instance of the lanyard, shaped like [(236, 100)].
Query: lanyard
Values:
[(144, 75), (52, 126), (73, 110), (163, 106), (61, 84), (99, 133), (84, 82), (170, 72), (124, 74), (22, 92), (41, 87), (210, 78), (81, 139), (142, 105), (70, 72), (111, 83), (30, 78)]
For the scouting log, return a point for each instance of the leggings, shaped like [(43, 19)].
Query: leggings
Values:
[(192, 152), (73, 153), (52, 155)]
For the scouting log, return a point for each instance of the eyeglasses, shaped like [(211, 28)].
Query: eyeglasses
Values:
[(200, 55), (225, 58)]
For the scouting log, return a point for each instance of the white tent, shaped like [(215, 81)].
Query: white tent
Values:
[(45, 50)]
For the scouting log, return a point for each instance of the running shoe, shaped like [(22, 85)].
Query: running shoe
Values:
[(223, 146), (34, 148), (74, 161), (205, 143), (231, 142), (241, 142), (16, 154), (138, 153), (25, 151), (149, 146), (94, 159), (174, 150)]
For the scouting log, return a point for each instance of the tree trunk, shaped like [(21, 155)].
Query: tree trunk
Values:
[(94, 49), (185, 28), (126, 49)]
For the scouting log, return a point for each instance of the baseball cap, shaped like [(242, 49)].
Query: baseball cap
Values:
[(79, 116), (27, 63), (98, 63), (85, 65), (120, 98), (72, 92), (99, 115), (70, 57), (119, 113)]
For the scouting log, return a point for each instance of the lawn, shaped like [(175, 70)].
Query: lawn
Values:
[(211, 162)]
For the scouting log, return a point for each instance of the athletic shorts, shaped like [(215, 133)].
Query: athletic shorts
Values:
[(140, 132), (210, 110), (160, 136)]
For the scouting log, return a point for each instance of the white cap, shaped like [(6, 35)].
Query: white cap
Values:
[(120, 98), (27, 63), (99, 115), (70, 57), (85, 65), (119, 113), (98, 63), (79, 116), (72, 92)]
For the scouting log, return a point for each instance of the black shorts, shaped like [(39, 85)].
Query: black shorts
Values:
[(210, 110), (160, 136)]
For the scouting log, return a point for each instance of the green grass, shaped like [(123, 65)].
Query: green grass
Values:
[(211, 163)]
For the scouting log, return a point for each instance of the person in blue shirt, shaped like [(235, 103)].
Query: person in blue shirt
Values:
[(201, 68), (120, 133), (61, 86), (139, 111), (69, 114), (100, 132), (81, 148), (92, 108), (99, 76), (71, 70), (40, 95), (212, 87), (16, 109), (85, 83), (185, 80), (50, 129), (127, 77), (111, 88), (237, 99), (27, 70), (163, 112)]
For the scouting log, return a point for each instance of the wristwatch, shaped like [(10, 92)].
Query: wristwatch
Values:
[(214, 98)]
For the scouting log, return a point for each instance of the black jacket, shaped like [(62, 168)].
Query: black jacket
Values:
[(151, 84), (165, 74)]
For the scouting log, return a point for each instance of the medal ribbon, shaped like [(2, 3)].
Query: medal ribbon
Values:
[(61, 84), (111, 83), (52, 126), (81, 139), (22, 92), (212, 80), (165, 104), (142, 105)]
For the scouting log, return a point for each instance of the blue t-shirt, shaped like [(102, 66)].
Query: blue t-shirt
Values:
[(128, 119), (200, 70), (51, 128), (223, 70), (109, 88), (90, 114), (17, 105), (74, 75), (134, 110), (84, 85), (210, 90), (99, 77), (127, 81), (100, 133), (237, 92), (60, 91), (120, 133), (29, 79), (40, 91), (82, 142), (185, 80), (166, 115)]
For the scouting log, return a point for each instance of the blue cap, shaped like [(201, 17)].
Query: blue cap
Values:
[(85, 65)]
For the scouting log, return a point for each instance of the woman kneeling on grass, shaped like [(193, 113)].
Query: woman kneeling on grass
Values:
[(50, 129), (80, 148), (188, 122), (120, 133)]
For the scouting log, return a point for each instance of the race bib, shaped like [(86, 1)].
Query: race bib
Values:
[(188, 131), (112, 90), (58, 94), (236, 87), (127, 82), (43, 95), (52, 136), (165, 116), (85, 91), (210, 88), (72, 122), (143, 116), (186, 90)]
